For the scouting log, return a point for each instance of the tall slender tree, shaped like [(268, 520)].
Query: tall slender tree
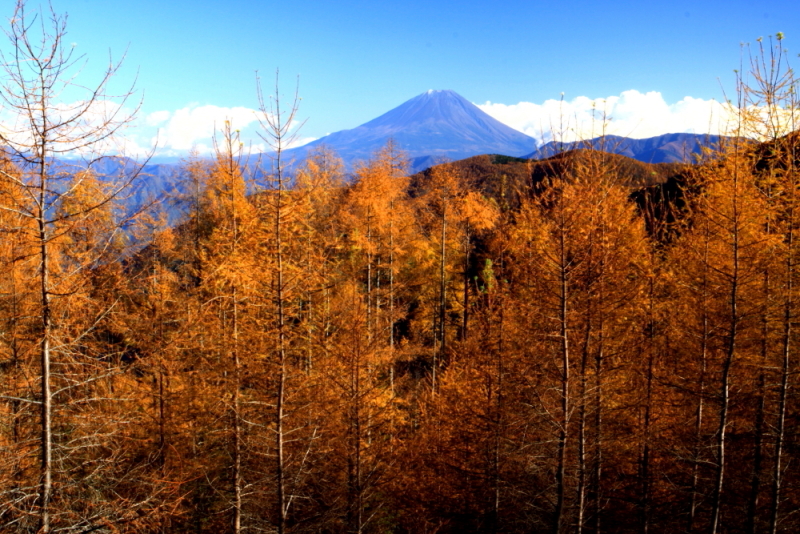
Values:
[(74, 235)]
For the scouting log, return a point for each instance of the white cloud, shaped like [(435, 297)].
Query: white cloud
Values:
[(631, 114), (195, 126), (157, 118), (82, 129), (159, 133), (175, 132)]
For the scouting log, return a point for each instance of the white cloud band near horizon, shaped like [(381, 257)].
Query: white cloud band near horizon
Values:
[(629, 114), (164, 133), (194, 127)]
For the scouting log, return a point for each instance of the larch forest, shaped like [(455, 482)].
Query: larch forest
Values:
[(581, 344)]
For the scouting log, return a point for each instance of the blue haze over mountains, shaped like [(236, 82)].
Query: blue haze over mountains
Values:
[(667, 148), (431, 128)]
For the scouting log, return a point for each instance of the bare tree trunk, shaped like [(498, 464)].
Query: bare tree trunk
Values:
[(162, 416), (598, 398), (498, 425), (598, 425), (786, 369), (16, 430), (276, 123), (700, 411), (160, 399), (724, 394), (37, 69), (465, 315), (563, 433), (237, 420), (46, 443), (391, 297), (309, 299), (359, 501), (644, 459), (439, 350), (280, 397), (755, 476), (370, 313), (582, 399), (698, 429)]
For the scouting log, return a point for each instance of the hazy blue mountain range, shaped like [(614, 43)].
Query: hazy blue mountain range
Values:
[(667, 148), (433, 127)]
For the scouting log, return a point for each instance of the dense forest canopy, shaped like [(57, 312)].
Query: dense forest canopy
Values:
[(578, 344)]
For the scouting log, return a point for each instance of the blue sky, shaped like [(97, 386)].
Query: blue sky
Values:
[(358, 59)]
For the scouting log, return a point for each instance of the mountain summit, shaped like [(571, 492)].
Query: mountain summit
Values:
[(436, 125)]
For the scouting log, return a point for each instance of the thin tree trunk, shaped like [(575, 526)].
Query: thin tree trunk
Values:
[(698, 429), (439, 351), (308, 299), (465, 315), (582, 396), (724, 395), (157, 318), (644, 460), (777, 470), (563, 434), (280, 395), (391, 297), (370, 318), (162, 424), (237, 418), (498, 427), (598, 395), (16, 413), (276, 123), (700, 412), (46, 443), (598, 425), (355, 483), (755, 476)]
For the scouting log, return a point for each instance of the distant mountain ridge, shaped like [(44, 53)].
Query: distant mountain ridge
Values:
[(667, 148), (431, 127)]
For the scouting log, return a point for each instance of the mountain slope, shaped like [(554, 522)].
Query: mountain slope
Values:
[(436, 125), (667, 148)]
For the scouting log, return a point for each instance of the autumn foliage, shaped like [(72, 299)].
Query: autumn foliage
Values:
[(492, 345)]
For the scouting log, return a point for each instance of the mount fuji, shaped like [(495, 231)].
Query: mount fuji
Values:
[(432, 127)]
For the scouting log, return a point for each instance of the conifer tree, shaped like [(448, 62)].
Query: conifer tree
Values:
[(87, 465)]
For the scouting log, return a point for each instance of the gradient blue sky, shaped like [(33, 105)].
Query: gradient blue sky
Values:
[(358, 59)]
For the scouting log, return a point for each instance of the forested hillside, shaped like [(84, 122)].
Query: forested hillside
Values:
[(579, 344)]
